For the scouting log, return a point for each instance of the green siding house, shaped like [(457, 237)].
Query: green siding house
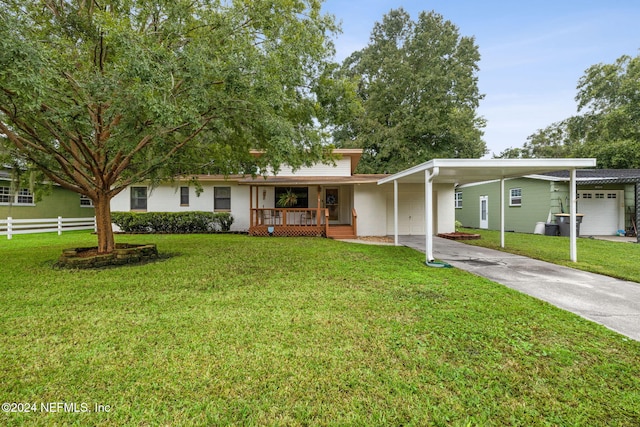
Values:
[(22, 204), (606, 197), (526, 202)]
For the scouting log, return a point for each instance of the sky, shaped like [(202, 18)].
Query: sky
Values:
[(532, 52)]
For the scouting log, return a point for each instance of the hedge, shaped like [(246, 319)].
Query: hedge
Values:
[(172, 222)]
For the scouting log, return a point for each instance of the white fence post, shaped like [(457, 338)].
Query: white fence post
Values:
[(95, 225), (59, 226), (9, 219)]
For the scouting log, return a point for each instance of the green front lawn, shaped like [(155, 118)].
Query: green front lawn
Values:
[(615, 259), (233, 330)]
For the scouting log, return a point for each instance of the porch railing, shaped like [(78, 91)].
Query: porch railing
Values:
[(288, 222)]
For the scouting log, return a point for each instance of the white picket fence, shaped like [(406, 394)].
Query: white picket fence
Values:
[(11, 226)]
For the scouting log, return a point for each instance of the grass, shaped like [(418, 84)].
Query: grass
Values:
[(615, 259), (233, 330)]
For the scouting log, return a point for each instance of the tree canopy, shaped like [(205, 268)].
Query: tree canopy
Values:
[(99, 95), (609, 126), (418, 87)]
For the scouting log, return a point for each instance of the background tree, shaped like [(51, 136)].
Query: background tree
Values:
[(99, 95), (552, 141), (609, 126), (418, 88)]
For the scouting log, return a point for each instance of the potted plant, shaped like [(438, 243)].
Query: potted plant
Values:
[(287, 199)]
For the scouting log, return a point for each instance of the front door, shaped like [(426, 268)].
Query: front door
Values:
[(332, 202), (484, 212)]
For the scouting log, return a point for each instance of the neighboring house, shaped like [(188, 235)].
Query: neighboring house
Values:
[(21, 204), (330, 200), (606, 198)]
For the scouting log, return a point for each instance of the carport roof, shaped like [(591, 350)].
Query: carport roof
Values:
[(601, 176), (465, 171)]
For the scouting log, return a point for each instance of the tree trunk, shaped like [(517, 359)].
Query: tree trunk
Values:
[(106, 243)]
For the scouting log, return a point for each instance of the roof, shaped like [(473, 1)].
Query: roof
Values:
[(601, 176), (291, 180), (313, 180), (465, 171)]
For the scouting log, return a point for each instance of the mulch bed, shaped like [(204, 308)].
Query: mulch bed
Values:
[(459, 236)]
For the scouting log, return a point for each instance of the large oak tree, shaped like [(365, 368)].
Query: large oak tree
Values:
[(101, 94), (418, 86)]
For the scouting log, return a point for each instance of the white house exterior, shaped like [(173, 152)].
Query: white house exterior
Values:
[(342, 204), (348, 203), (171, 198), (332, 201)]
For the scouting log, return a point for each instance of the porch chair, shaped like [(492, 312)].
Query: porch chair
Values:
[(307, 218)]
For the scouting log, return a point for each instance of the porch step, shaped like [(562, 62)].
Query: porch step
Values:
[(341, 232)]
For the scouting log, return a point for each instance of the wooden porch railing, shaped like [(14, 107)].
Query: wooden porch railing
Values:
[(288, 222)]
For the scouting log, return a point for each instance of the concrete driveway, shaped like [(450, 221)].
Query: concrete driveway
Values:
[(611, 302)]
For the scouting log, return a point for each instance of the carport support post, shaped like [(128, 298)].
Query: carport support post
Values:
[(573, 247), (502, 195), (395, 212), (428, 210), (637, 212)]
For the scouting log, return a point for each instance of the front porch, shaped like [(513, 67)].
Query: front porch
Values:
[(320, 205), (298, 222)]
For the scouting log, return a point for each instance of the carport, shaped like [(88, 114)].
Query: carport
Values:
[(448, 173)]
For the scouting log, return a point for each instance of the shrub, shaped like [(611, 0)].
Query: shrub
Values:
[(131, 222), (225, 219), (172, 222)]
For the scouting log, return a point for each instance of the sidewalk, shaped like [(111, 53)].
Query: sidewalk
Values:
[(611, 302)]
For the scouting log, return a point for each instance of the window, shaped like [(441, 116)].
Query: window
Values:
[(611, 196), (184, 196), (458, 200), (5, 194), (23, 197), (139, 198), (222, 198), (515, 197), (85, 201), (302, 196)]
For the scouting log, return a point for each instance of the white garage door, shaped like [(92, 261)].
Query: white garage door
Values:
[(601, 209)]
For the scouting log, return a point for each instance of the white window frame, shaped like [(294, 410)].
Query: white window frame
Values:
[(5, 195), (217, 197), (146, 199), (85, 202), (184, 197), (515, 200), (458, 200), (17, 199)]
